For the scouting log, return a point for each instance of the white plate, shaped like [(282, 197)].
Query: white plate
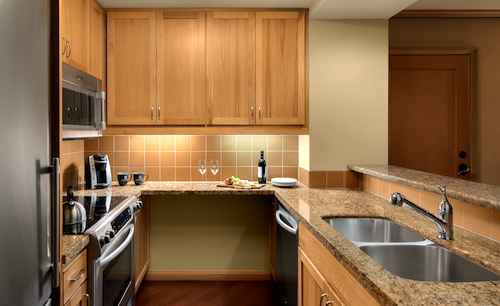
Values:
[(284, 181)]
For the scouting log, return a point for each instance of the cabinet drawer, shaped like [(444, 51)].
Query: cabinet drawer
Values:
[(80, 298), (74, 275)]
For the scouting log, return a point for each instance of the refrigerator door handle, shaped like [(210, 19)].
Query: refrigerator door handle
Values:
[(54, 169)]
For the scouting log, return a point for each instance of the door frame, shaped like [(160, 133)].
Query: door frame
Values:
[(474, 129)]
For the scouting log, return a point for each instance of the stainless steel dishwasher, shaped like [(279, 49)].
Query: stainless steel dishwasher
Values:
[(287, 243)]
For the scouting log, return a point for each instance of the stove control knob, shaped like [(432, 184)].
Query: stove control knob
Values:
[(104, 240), (111, 234), (139, 203)]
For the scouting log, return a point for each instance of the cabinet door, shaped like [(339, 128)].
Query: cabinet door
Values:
[(80, 298), (280, 64), (313, 288), (142, 243), (231, 68), (181, 68), (97, 41), (76, 33), (131, 57)]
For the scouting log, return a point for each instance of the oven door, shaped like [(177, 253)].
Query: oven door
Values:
[(114, 272)]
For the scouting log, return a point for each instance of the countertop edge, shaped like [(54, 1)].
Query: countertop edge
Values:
[(450, 190), (75, 243)]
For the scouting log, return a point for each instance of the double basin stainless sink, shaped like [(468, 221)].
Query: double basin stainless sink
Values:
[(407, 254)]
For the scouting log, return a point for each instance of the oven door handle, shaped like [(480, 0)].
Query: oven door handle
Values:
[(107, 258)]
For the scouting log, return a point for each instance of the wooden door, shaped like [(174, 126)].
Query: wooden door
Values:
[(76, 33), (142, 243), (97, 30), (181, 68), (231, 68), (131, 57), (429, 113), (280, 65), (80, 298)]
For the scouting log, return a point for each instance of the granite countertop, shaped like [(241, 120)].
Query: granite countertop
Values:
[(468, 191), (310, 206), (71, 246)]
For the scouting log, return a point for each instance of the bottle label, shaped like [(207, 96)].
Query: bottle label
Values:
[(259, 174)]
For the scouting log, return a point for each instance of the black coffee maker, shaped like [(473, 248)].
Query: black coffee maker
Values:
[(97, 171)]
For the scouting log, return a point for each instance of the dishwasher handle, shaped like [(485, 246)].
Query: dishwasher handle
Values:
[(291, 229)]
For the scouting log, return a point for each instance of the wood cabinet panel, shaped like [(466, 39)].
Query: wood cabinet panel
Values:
[(97, 48), (280, 64), (80, 298), (181, 68), (231, 68), (74, 275), (347, 288), (76, 33), (142, 243), (131, 57)]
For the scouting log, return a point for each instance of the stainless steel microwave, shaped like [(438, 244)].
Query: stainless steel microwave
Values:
[(83, 113)]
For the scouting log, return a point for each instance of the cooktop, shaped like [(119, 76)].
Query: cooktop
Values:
[(97, 207)]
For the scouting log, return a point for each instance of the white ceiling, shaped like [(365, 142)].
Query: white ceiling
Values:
[(318, 9)]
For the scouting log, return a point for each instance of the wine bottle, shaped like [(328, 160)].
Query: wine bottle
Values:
[(262, 169)]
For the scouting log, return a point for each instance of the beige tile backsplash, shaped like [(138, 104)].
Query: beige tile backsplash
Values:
[(72, 163), (175, 157), (475, 218)]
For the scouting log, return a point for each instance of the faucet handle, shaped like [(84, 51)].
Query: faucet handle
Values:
[(445, 205)]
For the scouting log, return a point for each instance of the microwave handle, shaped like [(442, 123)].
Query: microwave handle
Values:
[(102, 97)]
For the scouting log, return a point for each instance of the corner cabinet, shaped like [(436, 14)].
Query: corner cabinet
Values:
[(323, 279), (131, 57), (280, 64), (207, 68)]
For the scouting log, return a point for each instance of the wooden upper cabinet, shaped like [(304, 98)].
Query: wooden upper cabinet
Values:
[(97, 30), (75, 33), (131, 57), (280, 64), (181, 68), (231, 68)]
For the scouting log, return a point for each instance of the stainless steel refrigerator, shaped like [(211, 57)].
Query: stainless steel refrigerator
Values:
[(28, 243)]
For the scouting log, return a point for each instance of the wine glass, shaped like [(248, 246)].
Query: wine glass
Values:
[(214, 167), (202, 167)]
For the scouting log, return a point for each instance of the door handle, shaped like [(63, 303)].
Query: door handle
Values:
[(252, 111), (291, 229), (259, 112), (159, 109), (321, 299), (152, 117), (64, 50), (69, 52)]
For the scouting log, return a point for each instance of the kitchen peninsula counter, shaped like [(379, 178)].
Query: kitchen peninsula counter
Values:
[(311, 206)]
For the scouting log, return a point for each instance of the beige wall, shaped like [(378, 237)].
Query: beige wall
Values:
[(209, 233), (348, 93), (480, 33)]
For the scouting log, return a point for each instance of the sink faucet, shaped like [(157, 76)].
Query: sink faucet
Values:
[(445, 220)]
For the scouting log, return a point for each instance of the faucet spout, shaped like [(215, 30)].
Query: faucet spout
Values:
[(445, 220)]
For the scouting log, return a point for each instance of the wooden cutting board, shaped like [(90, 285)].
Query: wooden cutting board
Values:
[(239, 187)]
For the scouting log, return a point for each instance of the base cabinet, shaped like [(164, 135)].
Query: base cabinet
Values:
[(322, 278), (142, 243), (75, 281)]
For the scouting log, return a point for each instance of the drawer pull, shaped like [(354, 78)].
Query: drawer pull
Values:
[(321, 299), (79, 276), (88, 298)]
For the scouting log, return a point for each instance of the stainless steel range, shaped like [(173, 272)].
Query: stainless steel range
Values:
[(111, 251)]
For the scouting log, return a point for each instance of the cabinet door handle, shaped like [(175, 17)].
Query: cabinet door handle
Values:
[(259, 112), (329, 303), (69, 52), (79, 276), (64, 50), (76, 113), (321, 299), (252, 111), (69, 113), (159, 113), (152, 117), (86, 295)]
